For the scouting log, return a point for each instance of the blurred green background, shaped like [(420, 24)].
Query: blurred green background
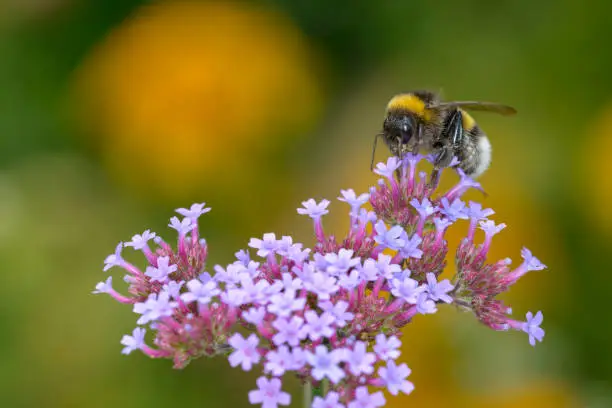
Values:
[(113, 113)]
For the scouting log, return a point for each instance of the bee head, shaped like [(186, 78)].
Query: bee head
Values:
[(400, 127)]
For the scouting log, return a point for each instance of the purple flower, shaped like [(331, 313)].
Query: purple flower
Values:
[(243, 257), (296, 253), (359, 360), (318, 326), (160, 274), (411, 248), (394, 378), (325, 363), (341, 262), (350, 280), (338, 311), (454, 211), (173, 288), (139, 242), (194, 212), (332, 400), (289, 331), (407, 289), (364, 400), (133, 342), (412, 160), (349, 197), (387, 348), (490, 229), (255, 292), (475, 211), (425, 305), (369, 271), (314, 210), (183, 227), (442, 224), (438, 291), (291, 283), (424, 208), (278, 361), (366, 216), (385, 268), (233, 274), (387, 170), (233, 297), (532, 327), (392, 238), (156, 306), (254, 315), (322, 284), (269, 394), (114, 259), (284, 304), (297, 360), (200, 292), (465, 183), (104, 287), (530, 262), (320, 261), (264, 247), (245, 351)]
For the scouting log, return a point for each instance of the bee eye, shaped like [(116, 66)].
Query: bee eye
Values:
[(406, 129)]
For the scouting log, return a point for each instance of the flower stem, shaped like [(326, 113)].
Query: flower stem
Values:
[(307, 395)]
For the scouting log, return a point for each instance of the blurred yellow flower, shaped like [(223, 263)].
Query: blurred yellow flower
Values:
[(593, 184), (187, 93)]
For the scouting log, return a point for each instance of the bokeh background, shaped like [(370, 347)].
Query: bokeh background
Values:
[(113, 113)]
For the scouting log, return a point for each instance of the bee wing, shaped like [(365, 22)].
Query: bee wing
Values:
[(478, 106)]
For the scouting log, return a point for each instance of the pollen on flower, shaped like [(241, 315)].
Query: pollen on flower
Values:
[(328, 313)]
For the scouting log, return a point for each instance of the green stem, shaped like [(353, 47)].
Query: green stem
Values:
[(307, 395)]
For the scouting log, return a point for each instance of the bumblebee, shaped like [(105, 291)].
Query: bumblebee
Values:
[(418, 120)]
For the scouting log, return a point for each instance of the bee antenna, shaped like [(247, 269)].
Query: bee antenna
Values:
[(374, 150)]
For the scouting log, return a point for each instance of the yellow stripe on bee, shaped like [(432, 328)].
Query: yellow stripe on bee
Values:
[(468, 121), (410, 103)]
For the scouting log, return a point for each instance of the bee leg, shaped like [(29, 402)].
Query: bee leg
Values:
[(400, 151), (374, 150), (435, 178), (419, 139), (443, 156)]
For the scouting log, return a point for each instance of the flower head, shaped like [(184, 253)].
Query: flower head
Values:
[(314, 210), (104, 287), (269, 393), (245, 351), (331, 400), (312, 310), (354, 200), (133, 342), (194, 212), (114, 259), (182, 227), (264, 246), (391, 238), (363, 399), (387, 170), (394, 377), (139, 241), (163, 269), (325, 364), (532, 327), (438, 291)]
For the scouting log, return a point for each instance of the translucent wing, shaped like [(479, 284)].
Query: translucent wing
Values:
[(478, 106)]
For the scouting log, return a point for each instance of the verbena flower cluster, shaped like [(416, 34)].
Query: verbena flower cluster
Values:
[(331, 314)]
